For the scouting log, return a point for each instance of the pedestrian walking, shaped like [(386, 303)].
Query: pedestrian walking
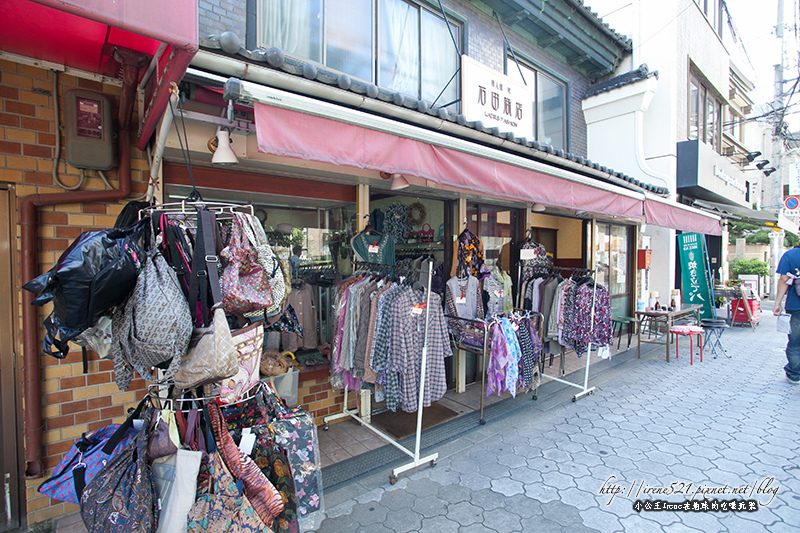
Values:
[(789, 269)]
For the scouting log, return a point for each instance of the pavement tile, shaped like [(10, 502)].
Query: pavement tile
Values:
[(542, 493), (578, 498), (367, 514), (507, 487), (502, 520), (601, 520), (455, 493), (526, 475), (640, 524), (526, 508), (512, 460), (444, 475), (439, 524), (488, 500), (429, 506), (475, 481), (464, 513)]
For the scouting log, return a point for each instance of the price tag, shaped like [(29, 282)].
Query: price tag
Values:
[(373, 249), (417, 309), (461, 300), (527, 254), (499, 294), (247, 443)]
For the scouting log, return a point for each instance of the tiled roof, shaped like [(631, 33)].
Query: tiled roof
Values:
[(641, 73), (276, 59)]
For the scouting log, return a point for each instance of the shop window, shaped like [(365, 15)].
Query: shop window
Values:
[(613, 265), (550, 109), (402, 46)]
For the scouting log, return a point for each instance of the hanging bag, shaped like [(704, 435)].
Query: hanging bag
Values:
[(211, 355), (154, 326), (87, 456), (122, 496), (248, 342), (96, 273), (245, 284), (268, 261), (262, 494)]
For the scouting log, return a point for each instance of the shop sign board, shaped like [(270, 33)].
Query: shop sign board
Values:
[(794, 179), (696, 287), (495, 99)]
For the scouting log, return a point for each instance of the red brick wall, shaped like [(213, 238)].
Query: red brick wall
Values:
[(73, 402), (315, 395)]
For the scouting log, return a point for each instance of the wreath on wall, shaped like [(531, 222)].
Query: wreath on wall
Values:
[(416, 214)]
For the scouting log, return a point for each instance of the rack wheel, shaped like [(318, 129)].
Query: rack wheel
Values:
[(574, 399), (433, 463), (534, 397), (392, 479), (482, 422), (325, 427)]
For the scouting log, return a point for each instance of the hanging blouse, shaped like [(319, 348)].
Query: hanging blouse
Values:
[(496, 291), (374, 248), (463, 298), (395, 223), (534, 259), (469, 257)]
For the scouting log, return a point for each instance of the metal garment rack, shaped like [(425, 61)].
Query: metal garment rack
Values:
[(484, 353), (189, 208), (416, 459), (584, 388)]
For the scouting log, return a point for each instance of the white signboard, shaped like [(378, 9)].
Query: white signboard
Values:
[(495, 99), (794, 179)]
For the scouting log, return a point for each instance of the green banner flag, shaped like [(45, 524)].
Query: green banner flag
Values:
[(695, 286)]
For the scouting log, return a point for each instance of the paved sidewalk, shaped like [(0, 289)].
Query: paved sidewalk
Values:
[(723, 422)]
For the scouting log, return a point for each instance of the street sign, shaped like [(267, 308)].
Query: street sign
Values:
[(791, 202)]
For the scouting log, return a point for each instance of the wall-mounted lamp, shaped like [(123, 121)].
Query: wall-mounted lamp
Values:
[(760, 165), (752, 156), (769, 171), (220, 146), (538, 208), (398, 181)]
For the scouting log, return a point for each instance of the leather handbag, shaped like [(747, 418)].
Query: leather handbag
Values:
[(262, 494), (122, 496), (211, 356), (248, 342), (220, 505), (266, 258), (153, 327), (86, 457), (245, 284)]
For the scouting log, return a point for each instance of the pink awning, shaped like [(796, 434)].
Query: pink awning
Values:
[(680, 217), (289, 133)]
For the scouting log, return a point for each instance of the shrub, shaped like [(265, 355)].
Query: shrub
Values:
[(748, 266)]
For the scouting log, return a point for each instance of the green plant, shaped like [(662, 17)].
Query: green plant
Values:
[(748, 266)]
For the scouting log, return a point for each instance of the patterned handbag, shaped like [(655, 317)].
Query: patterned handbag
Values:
[(245, 284), (221, 507), (211, 356), (122, 496), (261, 493), (153, 327), (248, 341), (268, 261)]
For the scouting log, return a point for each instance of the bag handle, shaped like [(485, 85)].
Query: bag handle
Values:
[(119, 434), (205, 271)]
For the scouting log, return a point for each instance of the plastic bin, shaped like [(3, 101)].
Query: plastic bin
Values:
[(286, 386)]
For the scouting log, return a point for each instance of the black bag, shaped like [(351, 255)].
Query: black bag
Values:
[(96, 273)]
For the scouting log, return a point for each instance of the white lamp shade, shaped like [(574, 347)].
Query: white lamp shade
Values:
[(224, 156), (537, 207), (398, 182)]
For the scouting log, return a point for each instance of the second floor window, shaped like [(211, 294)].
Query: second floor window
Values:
[(705, 115), (549, 110), (395, 44)]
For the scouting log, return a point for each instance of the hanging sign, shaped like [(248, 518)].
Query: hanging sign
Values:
[(495, 99), (794, 179), (696, 287), (791, 202)]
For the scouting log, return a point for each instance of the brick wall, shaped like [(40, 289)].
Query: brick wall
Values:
[(316, 395), (73, 402), (218, 16)]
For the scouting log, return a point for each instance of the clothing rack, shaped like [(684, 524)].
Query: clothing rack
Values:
[(584, 388), (189, 208), (416, 459), (484, 353)]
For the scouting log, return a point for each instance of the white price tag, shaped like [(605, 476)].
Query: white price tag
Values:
[(499, 294), (416, 310), (247, 443), (373, 249), (461, 300), (527, 254)]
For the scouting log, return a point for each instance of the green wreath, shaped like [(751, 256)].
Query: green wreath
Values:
[(416, 214)]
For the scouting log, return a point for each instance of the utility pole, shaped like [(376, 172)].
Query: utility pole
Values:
[(776, 237)]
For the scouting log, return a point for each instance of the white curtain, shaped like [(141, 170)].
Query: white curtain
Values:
[(399, 47), (294, 26)]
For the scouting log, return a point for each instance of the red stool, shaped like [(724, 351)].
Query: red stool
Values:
[(691, 331)]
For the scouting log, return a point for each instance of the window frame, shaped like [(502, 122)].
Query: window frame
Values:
[(255, 29), (530, 65), (709, 124)]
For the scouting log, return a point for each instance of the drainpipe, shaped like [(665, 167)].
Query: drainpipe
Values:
[(131, 64)]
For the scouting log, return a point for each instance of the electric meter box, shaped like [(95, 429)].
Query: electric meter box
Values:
[(87, 130)]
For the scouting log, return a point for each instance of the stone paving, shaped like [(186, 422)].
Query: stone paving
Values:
[(722, 422)]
